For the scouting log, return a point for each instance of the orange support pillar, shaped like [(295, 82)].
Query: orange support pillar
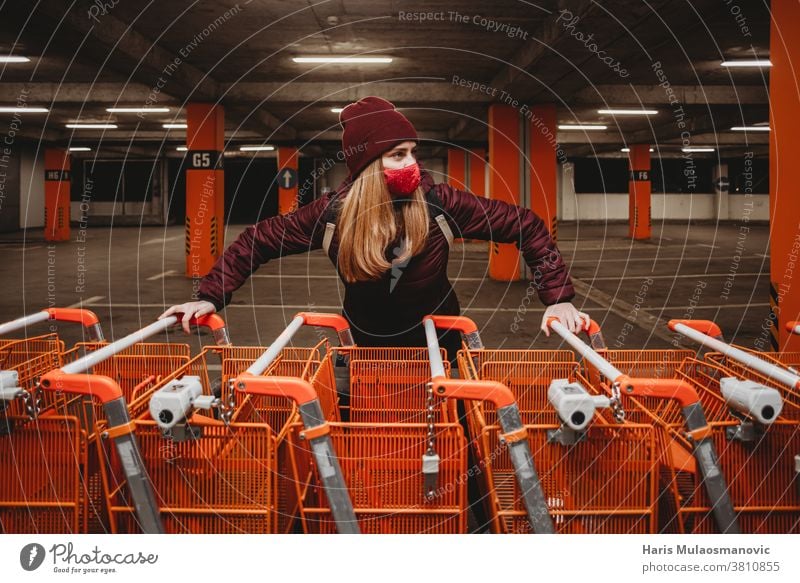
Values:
[(542, 146), (784, 149), (287, 180), (476, 158), (457, 168), (639, 225), (504, 183), (56, 194), (205, 187)]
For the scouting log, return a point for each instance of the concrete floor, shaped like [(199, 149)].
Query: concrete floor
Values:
[(630, 288)]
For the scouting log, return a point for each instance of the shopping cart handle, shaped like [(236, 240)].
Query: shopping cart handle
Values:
[(674, 389), (213, 322), (492, 391), (460, 323), (468, 328), (296, 389), (793, 327), (591, 329), (78, 315), (103, 388), (706, 327), (210, 321), (335, 321)]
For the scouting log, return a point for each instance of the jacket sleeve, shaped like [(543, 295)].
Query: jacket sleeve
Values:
[(297, 232), (476, 217)]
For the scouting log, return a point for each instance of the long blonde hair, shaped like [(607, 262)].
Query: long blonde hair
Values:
[(370, 221)]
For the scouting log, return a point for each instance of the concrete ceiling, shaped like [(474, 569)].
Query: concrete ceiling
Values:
[(89, 55)]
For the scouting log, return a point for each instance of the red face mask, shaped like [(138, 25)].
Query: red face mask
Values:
[(402, 181)]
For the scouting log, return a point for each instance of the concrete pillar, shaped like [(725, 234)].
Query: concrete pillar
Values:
[(504, 182), (476, 171), (542, 146), (568, 202), (205, 187), (287, 180), (56, 194), (722, 184), (457, 168), (639, 226), (784, 149)]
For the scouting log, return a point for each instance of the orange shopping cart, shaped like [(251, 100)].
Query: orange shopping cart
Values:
[(697, 436), (385, 423), (760, 443), (49, 483), (220, 463), (597, 475), (24, 360), (403, 452)]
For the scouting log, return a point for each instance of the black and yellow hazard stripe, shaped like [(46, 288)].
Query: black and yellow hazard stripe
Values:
[(774, 310)]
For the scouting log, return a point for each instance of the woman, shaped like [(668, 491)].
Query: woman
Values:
[(388, 230)]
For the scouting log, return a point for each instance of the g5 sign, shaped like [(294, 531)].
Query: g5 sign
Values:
[(204, 160)]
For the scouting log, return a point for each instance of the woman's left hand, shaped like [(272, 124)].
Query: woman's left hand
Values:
[(568, 315)]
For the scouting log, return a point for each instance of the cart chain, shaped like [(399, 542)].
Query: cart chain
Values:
[(430, 460), (616, 403), (429, 409), (226, 410), (32, 403)]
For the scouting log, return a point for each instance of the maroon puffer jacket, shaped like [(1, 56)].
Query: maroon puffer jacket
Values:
[(388, 311)]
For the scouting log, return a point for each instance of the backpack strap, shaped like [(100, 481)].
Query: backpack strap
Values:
[(330, 228), (435, 203), (331, 215)]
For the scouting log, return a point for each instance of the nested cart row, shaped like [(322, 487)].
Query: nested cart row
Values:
[(134, 436)]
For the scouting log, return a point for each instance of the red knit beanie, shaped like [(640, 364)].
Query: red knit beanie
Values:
[(371, 126)]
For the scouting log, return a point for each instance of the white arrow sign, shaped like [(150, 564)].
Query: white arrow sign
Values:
[(287, 178)]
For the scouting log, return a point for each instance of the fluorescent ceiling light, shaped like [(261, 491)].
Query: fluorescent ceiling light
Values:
[(256, 148), (174, 126), (80, 149), (137, 109), (13, 109), (627, 111), (92, 126), (343, 60), (182, 149), (582, 127), (697, 150), (628, 150), (10, 59), (748, 63), (750, 128), (337, 109)]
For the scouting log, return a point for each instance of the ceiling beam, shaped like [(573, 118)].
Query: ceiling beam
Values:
[(186, 81), (407, 93), (636, 95), (80, 93)]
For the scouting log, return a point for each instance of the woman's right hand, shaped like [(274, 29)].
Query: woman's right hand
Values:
[(190, 310)]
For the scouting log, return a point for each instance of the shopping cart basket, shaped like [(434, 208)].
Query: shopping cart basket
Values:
[(773, 369), (760, 445), (49, 481), (698, 432), (597, 476), (24, 360), (220, 463), (409, 475)]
